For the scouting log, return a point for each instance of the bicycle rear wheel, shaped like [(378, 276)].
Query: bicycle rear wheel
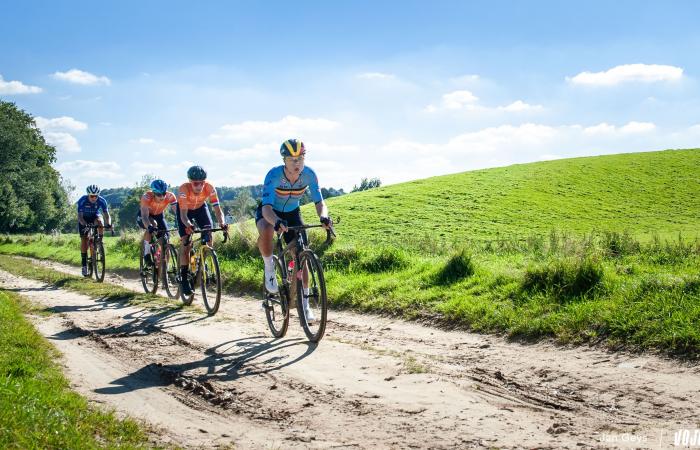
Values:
[(98, 261), (210, 280), (314, 310), (276, 306), (148, 273), (171, 271)]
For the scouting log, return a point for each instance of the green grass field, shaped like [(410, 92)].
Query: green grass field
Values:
[(599, 250), (643, 193), (37, 408)]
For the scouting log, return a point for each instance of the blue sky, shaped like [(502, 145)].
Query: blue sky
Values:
[(397, 90)]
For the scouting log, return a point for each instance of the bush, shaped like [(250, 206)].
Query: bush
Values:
[(384, 260), (458, 267), (564, 278)]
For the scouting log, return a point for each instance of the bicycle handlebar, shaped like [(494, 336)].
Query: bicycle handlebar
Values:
[(212, 230)]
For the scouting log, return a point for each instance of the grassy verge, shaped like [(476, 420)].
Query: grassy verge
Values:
[(601, 287), (104, 291), (37, 408)]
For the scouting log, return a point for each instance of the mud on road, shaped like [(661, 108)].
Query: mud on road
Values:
[(372, 382)]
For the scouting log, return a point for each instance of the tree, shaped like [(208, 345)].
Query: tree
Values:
[(366, 184), (33, 196), (130, 208)]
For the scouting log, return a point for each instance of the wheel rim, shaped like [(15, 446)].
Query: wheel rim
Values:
[(277, 305), (315, 306), (210, 281), (99, 262), (170, 271), (148, 275)]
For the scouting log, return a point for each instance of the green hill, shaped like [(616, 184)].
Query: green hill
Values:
[(644, 193)]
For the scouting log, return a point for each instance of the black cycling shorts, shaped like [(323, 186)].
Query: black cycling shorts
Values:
[(293, 219)]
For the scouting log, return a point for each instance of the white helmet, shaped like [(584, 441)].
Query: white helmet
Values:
[(93, 189)]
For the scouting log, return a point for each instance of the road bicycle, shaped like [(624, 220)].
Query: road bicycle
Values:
[(296, 266), (96, 252), (204, 272), (164, 266)]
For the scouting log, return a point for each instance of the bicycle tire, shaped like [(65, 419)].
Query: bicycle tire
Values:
[(210, 280), (276, 306), (99, 262), (171, 271), (318, 301), (148, 274)]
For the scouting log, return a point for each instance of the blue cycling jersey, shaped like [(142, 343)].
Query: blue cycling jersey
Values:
[(284, 195), (89, 208)]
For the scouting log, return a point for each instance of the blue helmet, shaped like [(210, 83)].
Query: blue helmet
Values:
[(159, 186), (92, 189)]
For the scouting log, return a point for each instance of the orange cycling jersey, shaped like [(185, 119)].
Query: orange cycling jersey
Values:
[(188, 199), (156, 207)]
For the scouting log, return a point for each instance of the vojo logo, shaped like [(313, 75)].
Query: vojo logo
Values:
[(687, 438)]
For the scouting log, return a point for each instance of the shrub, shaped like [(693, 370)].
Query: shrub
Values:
[(564, 278), (458, 267), (384, 260)]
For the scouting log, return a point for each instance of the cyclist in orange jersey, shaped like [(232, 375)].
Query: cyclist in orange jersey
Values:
[(150, 215), (191, 206)]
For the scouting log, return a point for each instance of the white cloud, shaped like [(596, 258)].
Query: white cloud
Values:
[(376, 76), (60, 123), (520, 106), (638, 127), (77, 76), (695, 128), (459, 99), (166, 152), (143, 141), (601, 128), (645, 73), (17, 87), (548, 157), (630, 128), (287, 127), (62, 141), (92, 169)]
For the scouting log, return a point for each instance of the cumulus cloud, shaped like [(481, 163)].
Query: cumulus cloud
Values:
[(92, 169), (287, 127), (55, 132), (644, 73), (62, 141), (376, 76), (17, 87), (77, 76), (519, 106), (459, 99), (166, 152), (60, 123), (629, 128)]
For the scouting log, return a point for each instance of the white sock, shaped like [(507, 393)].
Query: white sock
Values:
[(269, 263), (306, 292), (146, 247)]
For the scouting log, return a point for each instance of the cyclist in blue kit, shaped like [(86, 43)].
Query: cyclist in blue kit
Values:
[(90, 209), (283, 189)]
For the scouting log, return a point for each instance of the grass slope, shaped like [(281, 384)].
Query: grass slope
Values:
[(645, 193), (37, 408)]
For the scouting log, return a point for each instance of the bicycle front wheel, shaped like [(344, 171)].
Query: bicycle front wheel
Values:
[(312, 308), (276, 306), (210, 280), (98, 261), (148, 273), (171, 271)]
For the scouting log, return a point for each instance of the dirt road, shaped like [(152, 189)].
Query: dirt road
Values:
[(372, 382)]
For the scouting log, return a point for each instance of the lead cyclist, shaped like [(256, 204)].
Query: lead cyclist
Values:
[(282, 192)]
